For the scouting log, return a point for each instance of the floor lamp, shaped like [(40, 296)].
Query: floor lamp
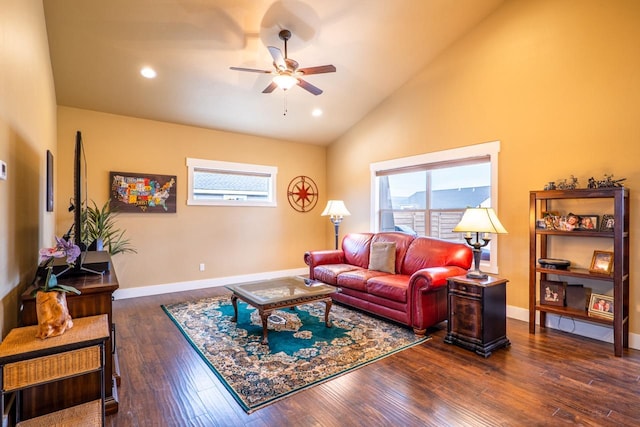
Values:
[(336, 210), (479, 220)]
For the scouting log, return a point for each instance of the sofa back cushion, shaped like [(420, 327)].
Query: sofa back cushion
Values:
[(425, 252), (356, 247), (402, 241)]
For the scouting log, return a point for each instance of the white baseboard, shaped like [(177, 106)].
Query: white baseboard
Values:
[(574, 326), (213, 282), (586, 329)]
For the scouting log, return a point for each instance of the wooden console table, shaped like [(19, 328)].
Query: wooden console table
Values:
[(95, 299), (27, 361)]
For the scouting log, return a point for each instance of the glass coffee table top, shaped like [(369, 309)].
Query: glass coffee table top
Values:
[(279, 290)]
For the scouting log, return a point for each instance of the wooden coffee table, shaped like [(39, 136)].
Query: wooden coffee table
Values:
[(270, 295)]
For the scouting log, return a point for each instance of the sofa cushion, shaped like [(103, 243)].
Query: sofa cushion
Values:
[(426, 252), (328, 273), (393, 287), (355, 247), (357, 279), (383, 257)]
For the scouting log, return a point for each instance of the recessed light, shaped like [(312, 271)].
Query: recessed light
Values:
[(316, 112), (148, 72)]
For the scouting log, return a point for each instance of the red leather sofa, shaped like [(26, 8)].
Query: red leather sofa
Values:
[(412, 291)]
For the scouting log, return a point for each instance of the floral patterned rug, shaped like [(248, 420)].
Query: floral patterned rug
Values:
[(302, 351)]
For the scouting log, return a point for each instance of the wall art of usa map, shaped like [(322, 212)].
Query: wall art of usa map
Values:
[(139, 192)]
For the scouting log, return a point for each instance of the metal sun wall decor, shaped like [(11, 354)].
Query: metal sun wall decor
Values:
[(136, 192), (302, 193)]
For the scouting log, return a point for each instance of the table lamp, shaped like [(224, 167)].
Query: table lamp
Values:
[(336, 210), (479, 220)]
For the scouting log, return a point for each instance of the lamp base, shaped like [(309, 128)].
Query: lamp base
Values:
[(477, 274)]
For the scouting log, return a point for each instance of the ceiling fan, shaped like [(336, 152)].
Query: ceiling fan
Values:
[(286, 73)]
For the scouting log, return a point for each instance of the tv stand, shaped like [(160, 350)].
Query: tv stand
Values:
[(95, 299)]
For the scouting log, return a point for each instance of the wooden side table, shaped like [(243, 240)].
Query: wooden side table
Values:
[(27, 361), (477, 314)]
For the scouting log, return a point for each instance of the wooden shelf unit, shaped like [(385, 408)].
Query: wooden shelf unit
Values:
[(95, 299), (619, 279), (27, 361)]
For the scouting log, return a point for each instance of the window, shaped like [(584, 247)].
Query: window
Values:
[(230, 184), (426, 195)]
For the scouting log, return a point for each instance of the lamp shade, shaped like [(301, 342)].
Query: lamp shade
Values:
[(480, 220), (335, 208)]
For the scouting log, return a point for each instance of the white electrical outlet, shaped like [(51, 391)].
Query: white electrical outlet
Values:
[(202, 267)]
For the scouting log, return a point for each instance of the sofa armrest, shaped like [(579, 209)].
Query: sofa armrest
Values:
[(427, 290), (432, 278), (315, 258)]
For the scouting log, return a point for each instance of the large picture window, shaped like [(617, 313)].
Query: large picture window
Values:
[(426, 195), (219, 183)]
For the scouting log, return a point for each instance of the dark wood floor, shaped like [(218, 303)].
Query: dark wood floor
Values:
[(550, 378)]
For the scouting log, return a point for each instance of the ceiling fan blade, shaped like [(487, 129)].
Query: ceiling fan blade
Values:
[(318, 70), (309, 87), (251, 70), (270, 88), (278, 59)]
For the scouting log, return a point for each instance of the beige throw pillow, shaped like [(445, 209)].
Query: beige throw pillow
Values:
[(383, 257)]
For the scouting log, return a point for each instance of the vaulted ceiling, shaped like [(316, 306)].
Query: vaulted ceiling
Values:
[(98, 48)]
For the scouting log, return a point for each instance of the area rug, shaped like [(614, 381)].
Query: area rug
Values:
[(302, 351)]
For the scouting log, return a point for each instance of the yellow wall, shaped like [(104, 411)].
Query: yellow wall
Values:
[(230, 241), (27, 131), (557, 82)]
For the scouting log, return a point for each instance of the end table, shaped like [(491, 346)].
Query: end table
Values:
[(477, 314)]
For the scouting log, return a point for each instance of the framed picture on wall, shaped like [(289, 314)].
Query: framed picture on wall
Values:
[(142, 192), (49, 181)]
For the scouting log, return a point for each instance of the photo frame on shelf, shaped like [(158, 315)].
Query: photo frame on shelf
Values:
[(551, 220), (607, 223), (552, 292), (601, 262), (588, 222), (601, 306)]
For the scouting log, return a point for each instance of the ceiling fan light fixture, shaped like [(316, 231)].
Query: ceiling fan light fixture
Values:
[(285, 81), (148, 73)]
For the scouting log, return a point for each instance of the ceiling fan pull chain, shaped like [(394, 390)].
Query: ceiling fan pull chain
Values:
[(285, 104)]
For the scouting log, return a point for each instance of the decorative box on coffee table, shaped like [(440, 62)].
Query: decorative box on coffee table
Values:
[(477, 314)]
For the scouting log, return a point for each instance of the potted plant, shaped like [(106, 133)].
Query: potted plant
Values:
[(51, 300), (100, 230)]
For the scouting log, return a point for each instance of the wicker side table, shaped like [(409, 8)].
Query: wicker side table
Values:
[(26, 361)]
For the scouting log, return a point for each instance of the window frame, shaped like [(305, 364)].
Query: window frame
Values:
[(488, 149), (231, 167)]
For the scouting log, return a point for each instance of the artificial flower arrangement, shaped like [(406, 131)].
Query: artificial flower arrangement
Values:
[(62, 249), (51, 301)]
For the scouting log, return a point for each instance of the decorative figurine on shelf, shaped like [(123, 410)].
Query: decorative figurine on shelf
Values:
[(572, 184), (607, 182), (51, 301)]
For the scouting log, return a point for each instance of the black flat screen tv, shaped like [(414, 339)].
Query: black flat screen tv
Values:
[(88, 262)]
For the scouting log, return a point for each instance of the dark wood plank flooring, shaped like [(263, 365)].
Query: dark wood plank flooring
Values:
[(550, 378)]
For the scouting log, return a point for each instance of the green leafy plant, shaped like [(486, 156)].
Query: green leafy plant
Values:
[(100, 225)]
